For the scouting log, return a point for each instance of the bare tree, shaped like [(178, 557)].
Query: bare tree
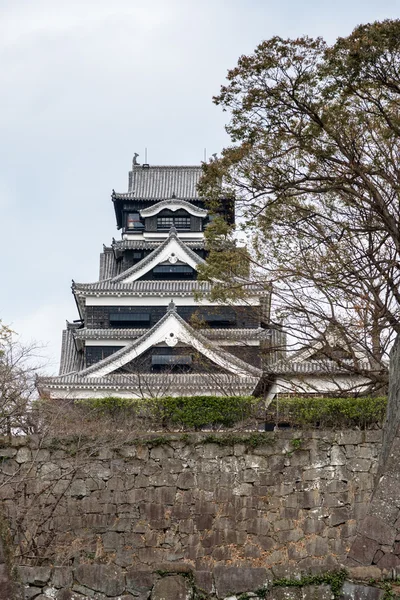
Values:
[(315, 171)]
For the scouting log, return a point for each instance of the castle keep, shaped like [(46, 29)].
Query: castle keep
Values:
[(143, 329)]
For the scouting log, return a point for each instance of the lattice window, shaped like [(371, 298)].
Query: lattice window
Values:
[(178, 222)]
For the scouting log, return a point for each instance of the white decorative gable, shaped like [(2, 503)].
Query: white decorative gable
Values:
[(173, 204), (171, 329), (172, 251)]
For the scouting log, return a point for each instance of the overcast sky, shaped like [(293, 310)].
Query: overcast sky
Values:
[(85, 84)]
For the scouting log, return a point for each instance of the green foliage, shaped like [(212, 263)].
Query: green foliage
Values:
[(199, 411), (296, 443), (329, 412), (187, 411), (313, 166), (333, 578)]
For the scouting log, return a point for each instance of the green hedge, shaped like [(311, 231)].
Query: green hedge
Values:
[(328, 412), (186, 411)]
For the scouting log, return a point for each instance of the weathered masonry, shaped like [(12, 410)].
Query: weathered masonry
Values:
[(231, 514)]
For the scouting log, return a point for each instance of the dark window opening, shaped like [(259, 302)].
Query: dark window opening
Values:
[(171, 363), (173, 271), (171, 359), (129, 319), (133, 221), (177, 222), (220, 320)]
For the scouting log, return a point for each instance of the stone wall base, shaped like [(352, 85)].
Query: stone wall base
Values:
[(107, 582)]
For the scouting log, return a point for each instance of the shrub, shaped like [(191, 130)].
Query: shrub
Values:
[(186, 411), (328, 412)]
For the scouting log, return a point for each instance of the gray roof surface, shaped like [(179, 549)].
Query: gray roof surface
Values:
[(162, 182), (316, 367), (70, 359), (236, 334), (151, 287), (228, 357), (108, 264), (150, 245), (191, 383)]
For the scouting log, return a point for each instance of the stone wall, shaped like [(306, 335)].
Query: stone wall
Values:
[(231, 512), (378, 535)]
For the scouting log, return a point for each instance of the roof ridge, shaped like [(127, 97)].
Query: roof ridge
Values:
[(140, 166)]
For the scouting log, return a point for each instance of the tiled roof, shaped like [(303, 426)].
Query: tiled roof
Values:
[(162, 182), (147, 245), (170, 383), (142, 287), (156, 252), (233, 362), (315, 367), (70, 359), (108, 264), (235, 334)]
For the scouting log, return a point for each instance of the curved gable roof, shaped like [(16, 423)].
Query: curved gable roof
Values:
[(169, 326), (173, 204), (171, 245)]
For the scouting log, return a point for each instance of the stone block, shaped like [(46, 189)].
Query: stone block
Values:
[(359, 464), (258, 526), (285, 593), (363, 550), (161, 453), (204, 581), (172, 587), (309, 499), (335, 500), (388, 561), (291, 535), (355, 591), (185, 480), (350, 437), (338, 456), (7, 452), (136, 495), (78, 488), (164, 495), (379, 531), (338, 516), (23, 455), (62, 577), (34, 575), (316, 592), (313, 526), (163, 479), (138, 581), (112, 541), (204, 522), (364, 573), (107, 579), (236, 580), (6, 492), (29, 592)]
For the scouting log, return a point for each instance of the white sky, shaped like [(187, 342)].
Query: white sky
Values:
[(85, 84)]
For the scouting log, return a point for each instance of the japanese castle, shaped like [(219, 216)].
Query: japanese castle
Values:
[(149, 327)]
